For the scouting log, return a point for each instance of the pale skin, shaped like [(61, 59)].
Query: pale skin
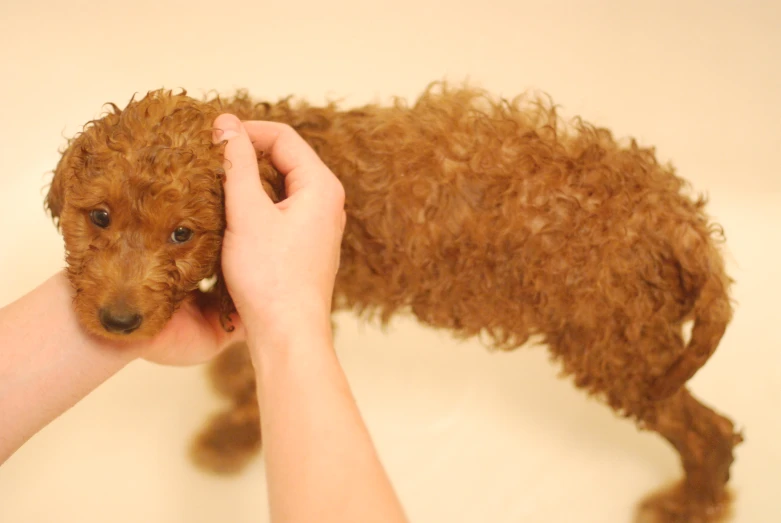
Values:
[(280, 262)]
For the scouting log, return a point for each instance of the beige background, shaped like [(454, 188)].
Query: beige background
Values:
[(467, 436)]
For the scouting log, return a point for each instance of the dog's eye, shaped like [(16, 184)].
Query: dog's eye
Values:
[(100, 218), (181, 235)]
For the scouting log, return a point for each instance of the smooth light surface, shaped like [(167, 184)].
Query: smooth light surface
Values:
[(467, 435)]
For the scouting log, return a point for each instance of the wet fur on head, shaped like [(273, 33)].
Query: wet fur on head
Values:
[(153, 167)]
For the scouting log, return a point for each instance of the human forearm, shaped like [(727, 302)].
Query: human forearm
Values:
[(321, 463), (47, 363), (279, 262)]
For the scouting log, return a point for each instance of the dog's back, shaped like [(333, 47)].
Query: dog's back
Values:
[(494, 216)]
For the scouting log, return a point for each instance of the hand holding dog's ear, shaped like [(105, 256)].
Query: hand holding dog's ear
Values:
[(280, 259)]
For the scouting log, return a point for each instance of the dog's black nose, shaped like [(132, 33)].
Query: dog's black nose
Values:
[(120, 321)]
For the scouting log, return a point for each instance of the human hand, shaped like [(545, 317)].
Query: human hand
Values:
[(279, 260), (193, 335)]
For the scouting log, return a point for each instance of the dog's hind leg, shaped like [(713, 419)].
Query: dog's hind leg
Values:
[(618, 370), (705, 441)]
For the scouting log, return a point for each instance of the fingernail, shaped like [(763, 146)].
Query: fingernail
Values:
[(227, 134), (229, 130)]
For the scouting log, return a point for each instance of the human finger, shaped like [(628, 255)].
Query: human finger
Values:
[(286, 148), (243, 188), (300, 164), (192, 336)]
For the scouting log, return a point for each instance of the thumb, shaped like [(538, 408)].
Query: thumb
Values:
[(244, 193)]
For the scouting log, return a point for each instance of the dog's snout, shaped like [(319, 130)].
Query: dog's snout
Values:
[(121, 320)]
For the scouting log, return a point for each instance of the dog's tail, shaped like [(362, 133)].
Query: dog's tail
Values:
[(712, 313)]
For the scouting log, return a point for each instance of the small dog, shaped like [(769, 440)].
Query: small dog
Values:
[(475, 214)]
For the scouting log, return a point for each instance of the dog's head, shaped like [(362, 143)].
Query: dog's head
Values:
[(138, 197)]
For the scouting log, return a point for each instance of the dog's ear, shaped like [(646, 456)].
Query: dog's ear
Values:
[(62, 174), (274, 184), (54, 198), (216, 298), (224, 301)]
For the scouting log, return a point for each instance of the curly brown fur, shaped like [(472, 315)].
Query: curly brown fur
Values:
[(478, 215)]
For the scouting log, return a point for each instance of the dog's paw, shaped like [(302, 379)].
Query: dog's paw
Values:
[(229, 441)]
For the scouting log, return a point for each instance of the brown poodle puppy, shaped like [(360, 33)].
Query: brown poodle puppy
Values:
[(478, 215)]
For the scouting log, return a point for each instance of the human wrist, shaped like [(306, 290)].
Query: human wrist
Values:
[(290, 334), (294, 361), (288, 329), (285, 314), (113, 353)]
